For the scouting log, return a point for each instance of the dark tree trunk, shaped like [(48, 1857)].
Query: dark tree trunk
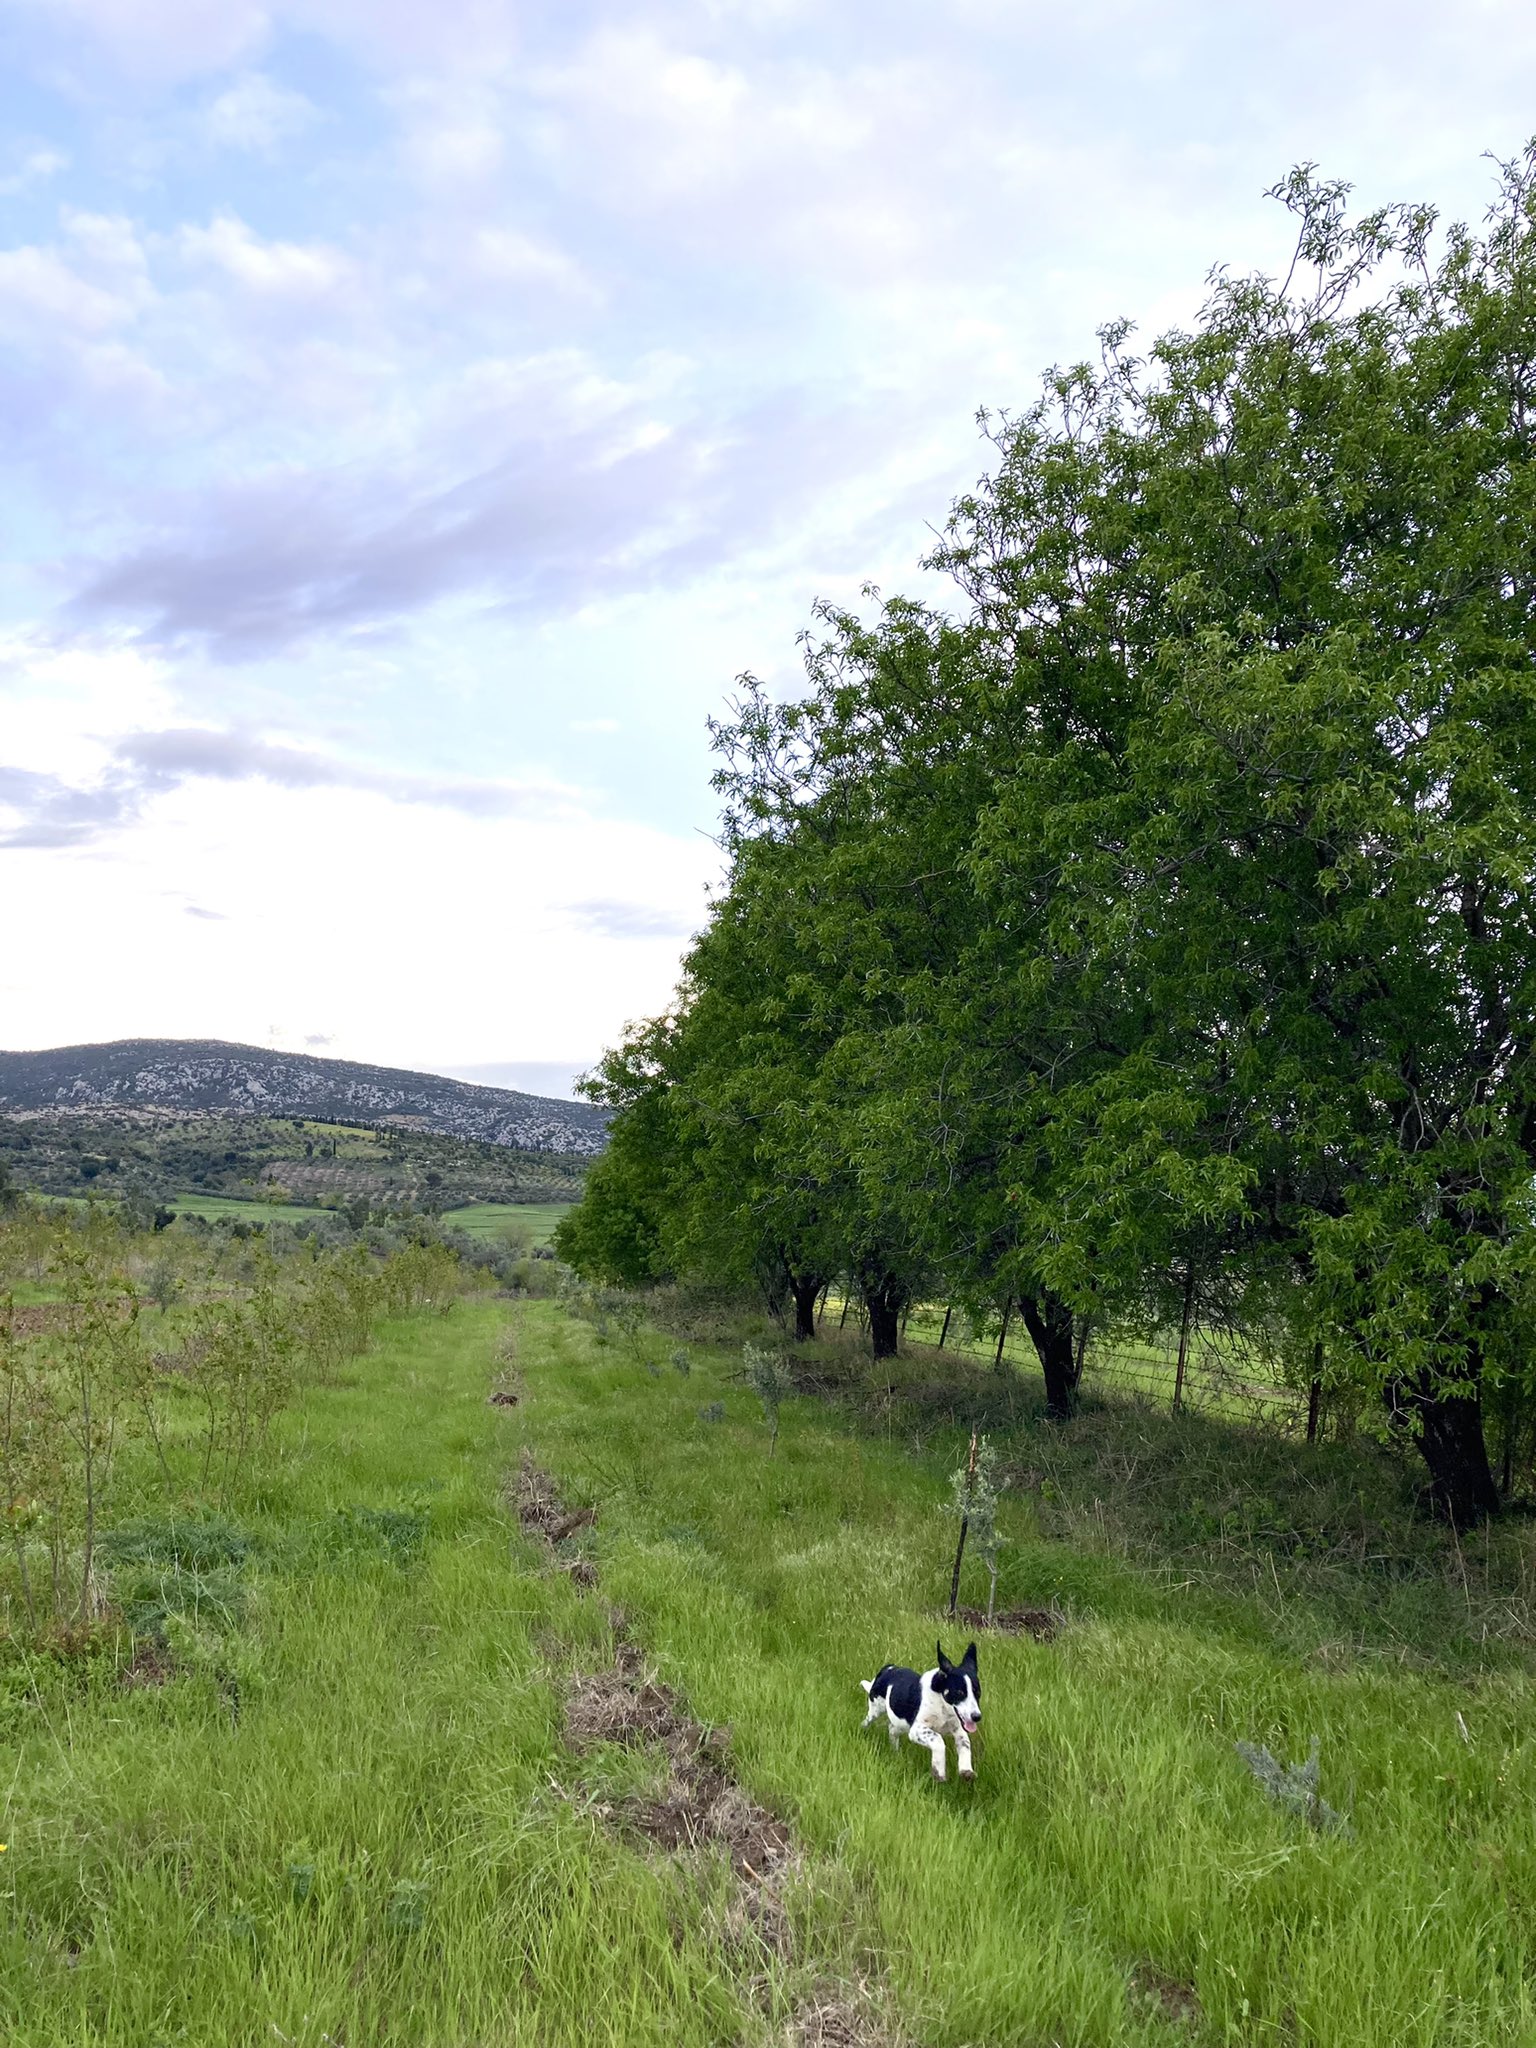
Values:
[(884, 1299), (1449, 1434), (805, 1288), (884, 1326), (1049, 1323)]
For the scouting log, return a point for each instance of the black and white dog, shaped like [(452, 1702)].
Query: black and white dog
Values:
[(926, 1706)]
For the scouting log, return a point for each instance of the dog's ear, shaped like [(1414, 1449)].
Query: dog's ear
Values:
[(969, 1659), (944, 1663)]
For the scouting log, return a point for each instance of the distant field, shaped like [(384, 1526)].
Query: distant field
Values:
[(212, 1206), (489, 1219), (480, 1219)]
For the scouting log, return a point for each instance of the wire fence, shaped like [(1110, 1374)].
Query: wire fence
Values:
[(1220, 1375)]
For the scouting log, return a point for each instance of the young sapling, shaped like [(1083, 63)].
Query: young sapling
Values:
[(770, 1382), (974, 1491)]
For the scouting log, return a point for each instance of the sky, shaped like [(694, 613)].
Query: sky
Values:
[(416, 416)]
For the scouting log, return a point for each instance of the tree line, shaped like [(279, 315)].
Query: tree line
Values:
[(1149, 932)]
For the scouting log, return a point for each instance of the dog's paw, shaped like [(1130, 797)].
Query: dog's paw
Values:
[(968, 1777), (938, 1777)]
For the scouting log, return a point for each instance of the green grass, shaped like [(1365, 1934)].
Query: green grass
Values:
[(214, 1206), (340, 1821), (372, 1851), (1112, 1828), (490, 1219)]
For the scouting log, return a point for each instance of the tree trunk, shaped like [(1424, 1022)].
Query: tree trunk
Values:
[(884, 1326), (1049, 1322), (805, 1290), (1450, 1437), (884, 1300)]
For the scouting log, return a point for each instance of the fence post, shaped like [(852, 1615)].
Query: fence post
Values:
[(1002, 1335), (844, 1316), (821, 1306), (1189, 1302), (1315, 1392), (948, 1312)]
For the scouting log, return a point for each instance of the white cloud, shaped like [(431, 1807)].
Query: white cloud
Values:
[(287, 269), (507, 254), (163, 39), (313, 876), (40, 293), (255, 114), (396, 912), (35, 167)]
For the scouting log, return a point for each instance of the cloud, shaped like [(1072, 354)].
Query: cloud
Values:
[(166, 759), (55, 812), (566, 517), (319, 1038), (39, 290), (611, 920), (35, 168), (213, 916), (159, 39), (255, 114), (290, 269)]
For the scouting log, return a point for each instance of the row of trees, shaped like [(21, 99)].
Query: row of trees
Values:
[(1153, 934)]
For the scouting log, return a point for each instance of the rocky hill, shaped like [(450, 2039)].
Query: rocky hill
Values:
[(209, 1077)]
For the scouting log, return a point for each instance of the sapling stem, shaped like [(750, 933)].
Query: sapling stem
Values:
[(965, 1523)]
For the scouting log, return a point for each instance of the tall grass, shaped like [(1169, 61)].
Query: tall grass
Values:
[(1116, 1874), (328, 1802), (335, 1823)]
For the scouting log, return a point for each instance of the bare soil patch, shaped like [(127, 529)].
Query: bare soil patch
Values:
[(1043, 1623), (1176, 2000), (699, 1803), (150, 1665), (535, 1499)]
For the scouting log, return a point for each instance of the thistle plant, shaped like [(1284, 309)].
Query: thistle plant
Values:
[(682, 1361), (770, 1381), (1293, 1786)]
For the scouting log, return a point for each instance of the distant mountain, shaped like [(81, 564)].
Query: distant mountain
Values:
[(205, 1075)]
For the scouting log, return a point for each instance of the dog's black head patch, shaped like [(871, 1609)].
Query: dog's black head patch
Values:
[(959, 1684)]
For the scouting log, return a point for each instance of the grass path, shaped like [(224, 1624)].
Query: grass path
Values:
[(336, 1826), (1115, 1875)]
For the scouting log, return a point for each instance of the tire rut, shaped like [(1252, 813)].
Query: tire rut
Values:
[(698, 1809)]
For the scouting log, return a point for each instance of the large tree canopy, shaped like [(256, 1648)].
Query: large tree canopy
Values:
[(1164, 920)]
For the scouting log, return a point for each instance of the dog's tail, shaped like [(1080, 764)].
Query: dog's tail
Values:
[(866, 1683)]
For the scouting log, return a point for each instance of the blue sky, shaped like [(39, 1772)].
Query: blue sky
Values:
[(416, 415)]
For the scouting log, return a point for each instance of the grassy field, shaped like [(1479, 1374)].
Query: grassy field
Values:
[(490, 1219), (337, 1823), (349, 1814), (1116, 1874), (213, 1206), (480, 1219)]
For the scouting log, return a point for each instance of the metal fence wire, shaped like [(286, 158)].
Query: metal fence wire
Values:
[(1221, 1376)]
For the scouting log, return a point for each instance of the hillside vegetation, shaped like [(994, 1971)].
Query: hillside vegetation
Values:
[(157, 1156), (210, 1077)]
